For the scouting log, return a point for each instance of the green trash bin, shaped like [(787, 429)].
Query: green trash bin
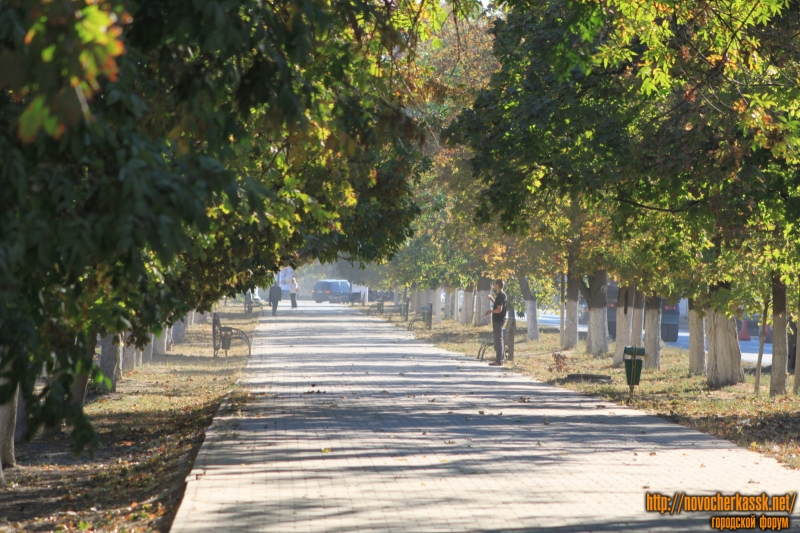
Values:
[(379, 307), (404, 311), (226, 342), (426, 316), (632, 375)]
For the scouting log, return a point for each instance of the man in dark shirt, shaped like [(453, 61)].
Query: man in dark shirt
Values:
[(275, 296), (498, 313)]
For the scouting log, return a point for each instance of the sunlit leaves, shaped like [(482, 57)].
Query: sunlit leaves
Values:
[(77, 44)]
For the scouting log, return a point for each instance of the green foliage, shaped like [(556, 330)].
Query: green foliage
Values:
[(155, 156), (677, 160)]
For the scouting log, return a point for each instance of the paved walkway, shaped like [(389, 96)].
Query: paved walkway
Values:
[(355, 426)]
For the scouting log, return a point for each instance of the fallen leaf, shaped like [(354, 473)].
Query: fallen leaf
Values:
[(326, 450)]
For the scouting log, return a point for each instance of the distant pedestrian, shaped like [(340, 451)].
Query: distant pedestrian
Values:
[(275, 294), (293, 290), (498, 312)]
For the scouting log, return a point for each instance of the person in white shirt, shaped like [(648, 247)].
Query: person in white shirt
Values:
[(293, 290)]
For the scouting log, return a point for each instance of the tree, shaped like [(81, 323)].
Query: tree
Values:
[(182, 164), (628, 114)]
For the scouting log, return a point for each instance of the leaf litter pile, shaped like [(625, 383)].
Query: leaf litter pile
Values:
[(150, 431), (760, 423)]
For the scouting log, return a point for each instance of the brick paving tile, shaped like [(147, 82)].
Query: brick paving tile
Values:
[(356, 426)]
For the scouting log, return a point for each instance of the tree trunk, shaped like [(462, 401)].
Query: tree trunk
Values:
[(571, 312), (531, 307), (477, 307), (437, 305), (469, 304), (110, 358), (177, 332), (412, 306), (511, 331), (796, 382), (8, 427), (724, 361), (780, 345), (448, 298), (595, 296), (79, 386), (81, 381), (160, 343), (624, 321), (638, 318), (562, 316), (697, 342), (762, 337), (396, 296), (482, 302), (22, 420), (128, 354), (652, 333), (147, 352)]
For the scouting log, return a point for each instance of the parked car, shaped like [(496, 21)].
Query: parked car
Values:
[(331, 290), (670, 319), (611, 298), (670, 316)]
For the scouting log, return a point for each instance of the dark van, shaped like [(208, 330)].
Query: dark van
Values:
[(670, 321), (331, 290), (670, 315)]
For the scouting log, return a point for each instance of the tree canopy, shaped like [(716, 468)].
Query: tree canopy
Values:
[(156, 156)]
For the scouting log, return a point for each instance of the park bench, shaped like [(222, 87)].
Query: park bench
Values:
[(378, 307), (426, 318), (400, 309), (250, 303), (223, 336), (487, 344)]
